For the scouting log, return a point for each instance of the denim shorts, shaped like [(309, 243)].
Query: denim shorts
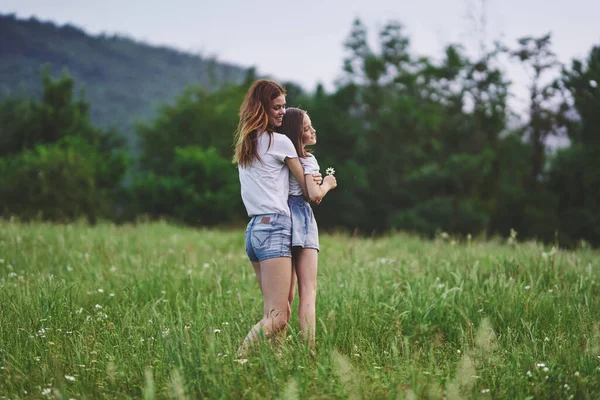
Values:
[(305, 233), (269, 236)]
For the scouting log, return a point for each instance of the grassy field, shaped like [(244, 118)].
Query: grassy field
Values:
[(158, 311)]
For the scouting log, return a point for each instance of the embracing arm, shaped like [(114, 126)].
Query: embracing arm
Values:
[(296, 169), (316, 192)]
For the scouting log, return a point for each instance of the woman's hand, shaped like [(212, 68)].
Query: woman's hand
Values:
[(318, 178)]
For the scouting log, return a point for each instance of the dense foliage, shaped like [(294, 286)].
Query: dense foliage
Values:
[(419, 144)]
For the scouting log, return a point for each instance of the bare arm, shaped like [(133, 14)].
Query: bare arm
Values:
[(316, 192), (296, 169)]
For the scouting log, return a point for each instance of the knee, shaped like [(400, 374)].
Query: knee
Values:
[(277, 319)]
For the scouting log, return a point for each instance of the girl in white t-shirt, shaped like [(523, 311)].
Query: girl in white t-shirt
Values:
[(264, 160), (305, 235)]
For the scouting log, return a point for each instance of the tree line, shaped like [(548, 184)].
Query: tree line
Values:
[(418, 144)]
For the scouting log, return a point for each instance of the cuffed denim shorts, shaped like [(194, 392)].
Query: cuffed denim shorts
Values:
[(269, 236), (305, 233)]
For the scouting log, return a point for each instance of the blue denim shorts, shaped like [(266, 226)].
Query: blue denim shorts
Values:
[(269, 236), (305, 233)]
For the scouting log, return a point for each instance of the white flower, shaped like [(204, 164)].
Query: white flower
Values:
[(546, 369), (98, 307), (242, 361), (529, 374), (577, 373), (46, 392), (207, 265), (217, 331), (100, 290), (527, 287), (540, 365), (70, 378), (165, 331), (330, 171), (593, 83), (485, 390)]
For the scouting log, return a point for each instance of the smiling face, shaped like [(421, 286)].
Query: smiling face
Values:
[(309, 134), (276, 111)]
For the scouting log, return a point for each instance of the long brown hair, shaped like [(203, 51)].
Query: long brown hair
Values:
[(254, 119), (293, 127)]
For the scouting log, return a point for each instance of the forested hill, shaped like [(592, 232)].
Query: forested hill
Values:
[(124, 80)]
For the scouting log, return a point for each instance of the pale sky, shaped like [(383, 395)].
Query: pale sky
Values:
[(302, 41)]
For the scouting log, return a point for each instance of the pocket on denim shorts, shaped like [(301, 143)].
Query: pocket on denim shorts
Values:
[(261, 239)]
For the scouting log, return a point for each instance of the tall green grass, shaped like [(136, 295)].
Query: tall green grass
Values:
[(158, 311)]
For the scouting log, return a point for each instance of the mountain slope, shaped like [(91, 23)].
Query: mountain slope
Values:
[(124, 80)]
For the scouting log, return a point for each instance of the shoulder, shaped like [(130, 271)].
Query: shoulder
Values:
[(281, 137)]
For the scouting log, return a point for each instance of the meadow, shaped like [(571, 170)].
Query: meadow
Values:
[(156, 311)]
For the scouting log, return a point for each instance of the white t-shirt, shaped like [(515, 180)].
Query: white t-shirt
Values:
[(311, 166), (265, 186)]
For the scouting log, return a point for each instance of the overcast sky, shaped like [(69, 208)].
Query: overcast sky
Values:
[(302, 41)]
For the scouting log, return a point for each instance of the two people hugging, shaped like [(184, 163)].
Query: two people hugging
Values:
[(282, 239)]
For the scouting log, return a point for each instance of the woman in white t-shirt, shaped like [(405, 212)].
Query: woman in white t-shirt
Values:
[(305, 234), (264, 160)]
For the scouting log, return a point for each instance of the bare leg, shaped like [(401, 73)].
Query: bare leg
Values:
[(306, 268), (276, 275), (293, 283), (256, 266)]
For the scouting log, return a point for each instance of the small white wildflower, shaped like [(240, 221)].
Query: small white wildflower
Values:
[(485, 390), (70, 378), (69, 268), (458, 351), (80, 310), (12, 274), (38, 359), (376, 367), (217, 331), (441, 285), (112, 295), (113, 269), (540, 365), (527, 287), (225, 323), (529, 374), (546, 339), (593, 83), (550, 290), (242, 361), (98, 307), (100, 290), (207, 265), (356, 355), (46, 392), (149, 321), (546, 369), (165, 331), (577, 373), (330, 171)]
